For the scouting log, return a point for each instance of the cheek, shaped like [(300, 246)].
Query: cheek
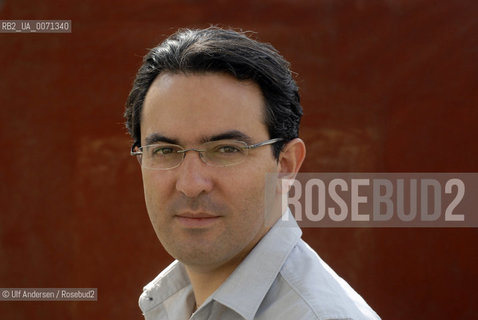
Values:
[(245, 192), (155, 190), (251, 177)]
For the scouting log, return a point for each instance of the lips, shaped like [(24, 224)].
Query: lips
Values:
[(196, 220), (199, 215)]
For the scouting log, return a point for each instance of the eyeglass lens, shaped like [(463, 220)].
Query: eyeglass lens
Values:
[(215, 153)]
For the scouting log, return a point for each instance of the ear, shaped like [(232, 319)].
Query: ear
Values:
[(289, 163), (291, 158)]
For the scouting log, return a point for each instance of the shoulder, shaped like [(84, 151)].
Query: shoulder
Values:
[(318, 290)]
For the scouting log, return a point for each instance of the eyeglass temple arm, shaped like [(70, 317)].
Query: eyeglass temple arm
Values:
[(264, 143)]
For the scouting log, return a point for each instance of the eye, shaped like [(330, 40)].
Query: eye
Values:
[(227, 149), (162, 150)]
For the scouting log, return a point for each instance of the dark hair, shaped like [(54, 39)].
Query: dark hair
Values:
[(223, 51)]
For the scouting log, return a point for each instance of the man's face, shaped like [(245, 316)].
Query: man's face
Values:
[(206, 216)]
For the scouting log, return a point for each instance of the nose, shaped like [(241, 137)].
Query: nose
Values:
[(193, 176)]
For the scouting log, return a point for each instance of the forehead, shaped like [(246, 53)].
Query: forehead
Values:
[(189, 107)]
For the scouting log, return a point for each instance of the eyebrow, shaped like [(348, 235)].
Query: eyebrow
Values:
[(232, 135), (229, 135), (156, 137)]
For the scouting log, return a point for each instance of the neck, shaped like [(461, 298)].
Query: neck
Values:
[(205, 282), (206, 279)]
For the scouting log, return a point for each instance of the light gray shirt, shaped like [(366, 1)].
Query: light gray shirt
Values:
[(281, 278)]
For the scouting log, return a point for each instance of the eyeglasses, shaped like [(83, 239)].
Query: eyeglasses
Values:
[(220, 153)]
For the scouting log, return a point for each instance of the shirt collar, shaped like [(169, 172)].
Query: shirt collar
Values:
[(245, 289), (169, 282)]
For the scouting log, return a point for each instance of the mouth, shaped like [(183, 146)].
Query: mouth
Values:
[(196, 220)]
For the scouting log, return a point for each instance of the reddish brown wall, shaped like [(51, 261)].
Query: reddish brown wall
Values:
[(387, 86)]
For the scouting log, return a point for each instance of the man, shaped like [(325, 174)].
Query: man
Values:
[(211, 112)]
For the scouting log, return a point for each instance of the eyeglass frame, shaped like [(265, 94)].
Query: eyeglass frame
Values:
[(183, 151)]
